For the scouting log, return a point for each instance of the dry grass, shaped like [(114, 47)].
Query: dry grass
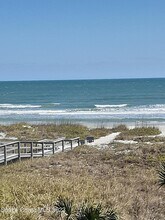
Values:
[(126, 182), (25, 131), (129, 134), (122, 177)]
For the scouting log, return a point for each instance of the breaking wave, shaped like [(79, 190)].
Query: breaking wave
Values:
[(18, 106), (129, 110), (111, 106), (34, 112)]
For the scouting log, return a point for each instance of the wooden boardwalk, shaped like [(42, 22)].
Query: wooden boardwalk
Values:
[(29, 149)]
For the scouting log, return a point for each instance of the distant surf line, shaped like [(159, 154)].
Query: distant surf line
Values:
[(111, 106)]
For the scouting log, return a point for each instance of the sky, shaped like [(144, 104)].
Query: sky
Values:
[(81, 39)]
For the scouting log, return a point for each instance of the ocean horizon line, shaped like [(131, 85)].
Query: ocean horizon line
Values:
[(93, 79)]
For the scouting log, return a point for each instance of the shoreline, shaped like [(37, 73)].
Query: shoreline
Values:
[(91, 124)]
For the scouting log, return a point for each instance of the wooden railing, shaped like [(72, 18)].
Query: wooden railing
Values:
[(30, 149)]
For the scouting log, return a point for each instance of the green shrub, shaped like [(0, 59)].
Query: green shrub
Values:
[(120, 128), (85, 212), (89, 213), (64, 204)]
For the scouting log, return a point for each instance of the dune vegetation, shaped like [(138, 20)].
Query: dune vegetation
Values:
[(24, 131), (121, 179)]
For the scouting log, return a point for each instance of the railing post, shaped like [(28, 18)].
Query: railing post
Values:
[(31, 149), (5, 155), (62, 145), (42, 144), (25, 148), (14, 150), (53, 146), (19, 151), (71, 145)]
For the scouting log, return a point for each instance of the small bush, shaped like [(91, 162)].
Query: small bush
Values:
[(120, 128), (85, 212), (64, 205), (89, 213), (99, 132)]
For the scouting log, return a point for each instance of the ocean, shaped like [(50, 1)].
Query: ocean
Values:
[(98, 102)]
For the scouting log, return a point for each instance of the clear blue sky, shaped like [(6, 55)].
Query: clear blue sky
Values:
[(81, 39)]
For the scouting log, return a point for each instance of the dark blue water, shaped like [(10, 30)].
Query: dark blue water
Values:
[(83, 100)]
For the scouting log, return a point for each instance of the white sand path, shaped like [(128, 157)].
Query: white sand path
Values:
[(103, 141), (162, 129)]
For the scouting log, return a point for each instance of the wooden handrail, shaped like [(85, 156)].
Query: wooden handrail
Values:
[(16, 150), (8, 144), (72, 139)]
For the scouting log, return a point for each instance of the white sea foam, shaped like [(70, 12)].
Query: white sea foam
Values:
[(111, 106), (148, 111), (56, 103), (16, 106), (31, 112)]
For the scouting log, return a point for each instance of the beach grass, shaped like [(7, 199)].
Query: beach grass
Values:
[(23, 131), (129, 134), (122, 177)]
